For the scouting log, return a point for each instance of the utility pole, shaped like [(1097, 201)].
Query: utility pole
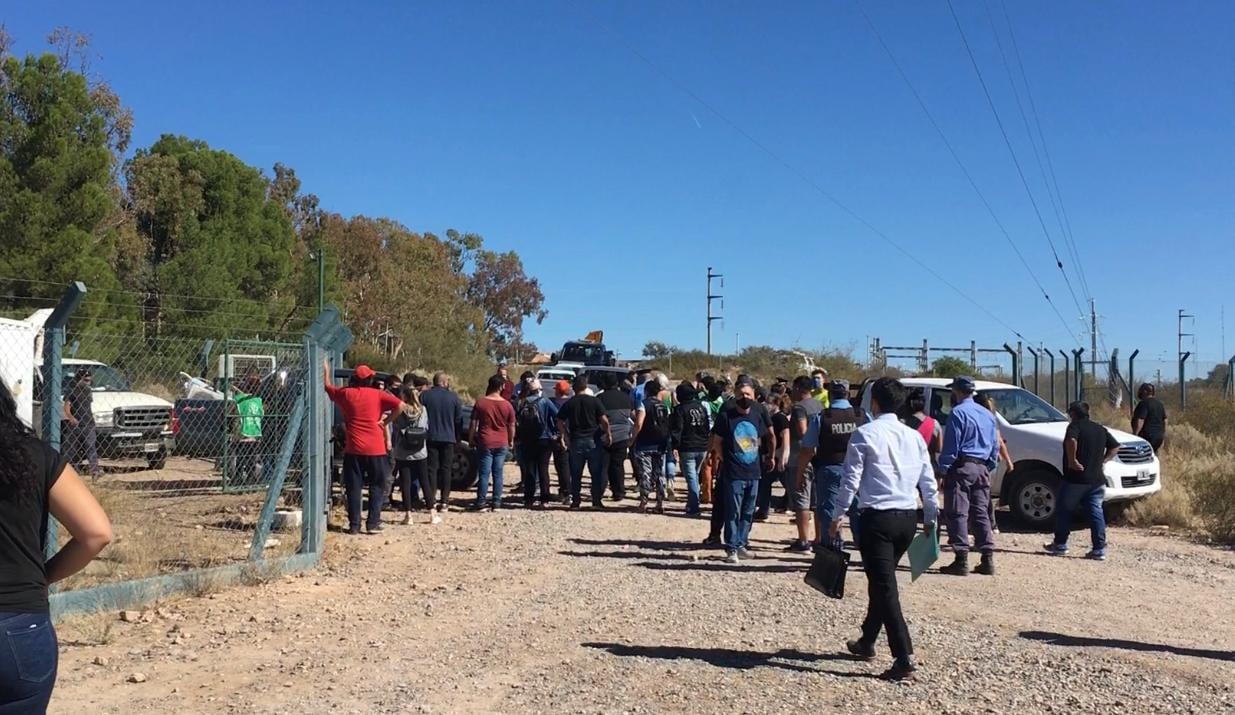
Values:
[(1093, 339), (1182, 357), (711, 297)]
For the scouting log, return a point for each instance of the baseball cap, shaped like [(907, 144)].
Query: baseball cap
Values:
[(962, 383), (838, 388), (562, 387), (363, 372)]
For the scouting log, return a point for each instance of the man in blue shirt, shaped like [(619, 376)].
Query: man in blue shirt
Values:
[(970, 448)]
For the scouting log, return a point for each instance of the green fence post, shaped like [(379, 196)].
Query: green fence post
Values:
[(53, 401), (275, 487)]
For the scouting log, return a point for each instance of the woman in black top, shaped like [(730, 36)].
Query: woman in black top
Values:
[(1149, 417), (36, 482)]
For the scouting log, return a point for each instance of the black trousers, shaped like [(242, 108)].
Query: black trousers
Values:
[(720, 507), (441, 464), (534, 460), (885, 539), (412, 474), (615, 467), (359, 470)]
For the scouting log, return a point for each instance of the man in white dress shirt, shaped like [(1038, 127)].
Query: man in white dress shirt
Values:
[(887, 465)]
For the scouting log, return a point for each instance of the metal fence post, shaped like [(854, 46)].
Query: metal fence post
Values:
[(1067, 378), (1132, 381), (1229, 383), (1035, 355), (53, 400), (1183, 382), (275, 487), (1078, 373), (1016, 374), (1051, 354)]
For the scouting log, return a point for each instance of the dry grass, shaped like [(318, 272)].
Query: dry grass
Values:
[(90, 629), (173, 525)]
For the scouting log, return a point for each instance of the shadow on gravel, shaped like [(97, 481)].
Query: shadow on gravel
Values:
[(1087, 642), (718, 565), (624, 555), (650, 545), (735, 659)]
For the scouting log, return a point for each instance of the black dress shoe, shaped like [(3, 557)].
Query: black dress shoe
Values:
[(860, 649), (901, 671)]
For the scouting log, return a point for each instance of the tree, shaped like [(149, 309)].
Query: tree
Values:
[(505, 296), (218, 248), (949, 366), (60, 139), (656, 350)]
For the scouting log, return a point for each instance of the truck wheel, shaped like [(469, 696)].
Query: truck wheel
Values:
[(1033, 498), (158, 460), (463, 470)]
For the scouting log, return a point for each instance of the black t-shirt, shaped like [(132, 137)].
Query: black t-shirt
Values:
[(582, 414), (618, 407), (1153, 412), (81, 403), (780, 423), (741, 435), (1092, 441), (23, 526), (690, 427)]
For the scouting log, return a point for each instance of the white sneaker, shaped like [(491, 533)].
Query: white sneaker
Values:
[(731, 557), (407, 518), (437, 519)]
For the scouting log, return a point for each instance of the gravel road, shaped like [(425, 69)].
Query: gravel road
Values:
[(616, 612)]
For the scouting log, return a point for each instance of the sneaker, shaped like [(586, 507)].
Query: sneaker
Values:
[(441, 507), (407, 518), (711, 541), (743, 552), (375, 528), (1096, 556), (1055, 549), (865, 651), (800, 547), (731, 557), (761, 516), (643, 505), (660, 507), (353, 531), (435, 519)]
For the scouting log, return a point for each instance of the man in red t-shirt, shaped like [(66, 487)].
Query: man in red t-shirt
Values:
[(508, 388), (364, 452)]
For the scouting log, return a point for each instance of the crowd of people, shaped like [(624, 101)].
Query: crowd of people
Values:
[(886, 465)]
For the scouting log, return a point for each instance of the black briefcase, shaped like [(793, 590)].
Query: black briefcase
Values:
[(827, 572)]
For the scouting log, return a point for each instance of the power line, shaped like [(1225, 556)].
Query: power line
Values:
[(1008, 143), (1067, 223), (142, 294), (961, 164), (1051, 195), (795, 170)]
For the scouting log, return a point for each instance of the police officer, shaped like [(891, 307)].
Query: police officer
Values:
[(970, 448), (824, 446)]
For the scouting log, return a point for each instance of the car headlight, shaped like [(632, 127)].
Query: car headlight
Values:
[(104, 419)]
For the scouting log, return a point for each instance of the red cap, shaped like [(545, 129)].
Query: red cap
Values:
[(364, 372), (562, 387)]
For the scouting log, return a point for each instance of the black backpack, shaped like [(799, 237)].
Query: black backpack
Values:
[(412, 438), (528, 426), (655, 422)]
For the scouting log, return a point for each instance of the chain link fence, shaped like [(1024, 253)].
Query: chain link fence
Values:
[(209, 455)]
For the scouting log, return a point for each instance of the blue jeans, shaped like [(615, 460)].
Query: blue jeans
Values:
[(491, 463), (1089, 498), (692, 462), (741, 495), (28, 662), (586, 452)]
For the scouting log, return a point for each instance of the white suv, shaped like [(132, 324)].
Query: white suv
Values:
[(1034, 432)]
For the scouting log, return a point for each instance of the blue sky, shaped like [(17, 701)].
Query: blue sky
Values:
[(539, 126)]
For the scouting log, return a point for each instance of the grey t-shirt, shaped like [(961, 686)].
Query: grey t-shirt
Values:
[(804, 411)]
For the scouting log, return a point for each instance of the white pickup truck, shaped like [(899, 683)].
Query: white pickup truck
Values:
[(1034, 431)]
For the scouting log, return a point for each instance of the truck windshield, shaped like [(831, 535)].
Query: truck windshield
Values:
[(580, 352), (1022, 407), (105, 379)]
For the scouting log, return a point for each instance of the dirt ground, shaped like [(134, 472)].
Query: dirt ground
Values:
[(617, 612)]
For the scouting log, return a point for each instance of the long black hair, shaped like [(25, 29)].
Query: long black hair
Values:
[(16, 475)]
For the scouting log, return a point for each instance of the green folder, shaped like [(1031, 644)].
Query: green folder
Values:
[(923, 551)]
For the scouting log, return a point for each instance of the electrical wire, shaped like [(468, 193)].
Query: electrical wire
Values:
[(142, 294), (973, 60), (806, 178), (1067, 223), (900, 70)]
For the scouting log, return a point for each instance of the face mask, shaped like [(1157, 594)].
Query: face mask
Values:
[(745, 402)]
